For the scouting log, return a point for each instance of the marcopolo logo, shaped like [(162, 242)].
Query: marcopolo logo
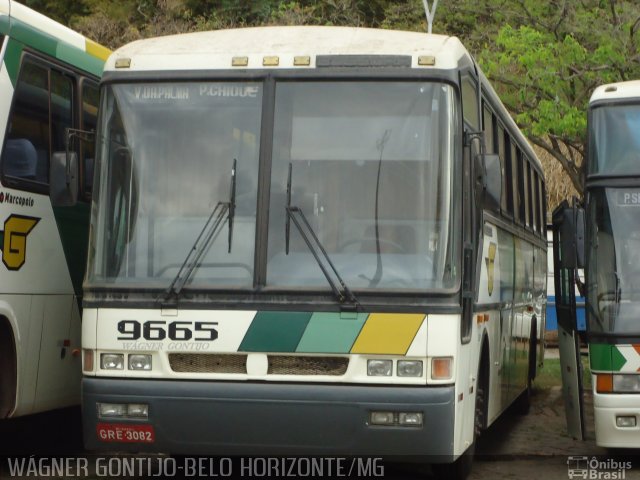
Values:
[(13, 240), (595, 468)]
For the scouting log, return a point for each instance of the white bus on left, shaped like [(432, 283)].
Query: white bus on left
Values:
[(48, 83)]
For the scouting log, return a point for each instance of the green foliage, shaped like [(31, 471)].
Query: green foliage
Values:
[(548, 58)]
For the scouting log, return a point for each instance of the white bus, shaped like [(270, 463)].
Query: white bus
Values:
[(48, 82), (611, 244), (308, 240)]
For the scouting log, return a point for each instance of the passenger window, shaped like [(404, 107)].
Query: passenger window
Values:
[(533, 182), (503, 160), (26, 151), (526, 191), (90, 100), (470, 103), (488, 120), (518, 186), (509, 152), (61, 110), (42, 110)]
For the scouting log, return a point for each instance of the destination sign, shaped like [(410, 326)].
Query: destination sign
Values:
[(629, 197), (191, 91)]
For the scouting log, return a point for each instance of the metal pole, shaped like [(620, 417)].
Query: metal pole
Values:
[(430, 12)]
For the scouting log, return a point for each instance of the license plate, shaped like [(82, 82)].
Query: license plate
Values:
[(125, 433)]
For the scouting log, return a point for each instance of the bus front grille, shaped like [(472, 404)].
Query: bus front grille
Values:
[(303, 365), (207, 363), (277, 364)]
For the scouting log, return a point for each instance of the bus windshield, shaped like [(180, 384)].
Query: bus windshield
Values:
[(614, 260), (614, 142), (372, 171)]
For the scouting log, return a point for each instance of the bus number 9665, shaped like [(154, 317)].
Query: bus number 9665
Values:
[(159, 330)]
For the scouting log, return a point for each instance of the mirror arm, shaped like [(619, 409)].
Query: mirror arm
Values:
[(70, 133)]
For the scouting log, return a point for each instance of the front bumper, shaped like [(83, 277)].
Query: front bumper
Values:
[(243, 418)]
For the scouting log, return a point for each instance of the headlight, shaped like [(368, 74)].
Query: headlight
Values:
[(626, 383), (409, 368), (139, 362), (112, 361), (379, 368)]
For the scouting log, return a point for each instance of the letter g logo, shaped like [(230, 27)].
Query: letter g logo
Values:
[(14, 243)]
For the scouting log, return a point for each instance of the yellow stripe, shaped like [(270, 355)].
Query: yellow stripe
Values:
[(388, 333), (97, 50)]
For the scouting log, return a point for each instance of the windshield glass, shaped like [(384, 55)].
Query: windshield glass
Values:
[(165, 162), (613, 269), (372, 172), (614, 140)]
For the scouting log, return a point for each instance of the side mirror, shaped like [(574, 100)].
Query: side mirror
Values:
[(572, 238), (488, 167), (63, 179)]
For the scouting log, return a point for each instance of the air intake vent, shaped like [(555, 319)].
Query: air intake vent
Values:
[(297, 365), (207, 363)]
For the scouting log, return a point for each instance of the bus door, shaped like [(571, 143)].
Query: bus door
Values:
[(568, 254)]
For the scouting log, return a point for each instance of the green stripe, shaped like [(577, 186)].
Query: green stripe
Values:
[(605, 358), (80, 59), (329, 333), (12, 60), (275, 332), (4, 24), (34, 38), (56, 48)]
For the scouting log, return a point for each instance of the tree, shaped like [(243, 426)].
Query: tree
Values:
[(546, 63)]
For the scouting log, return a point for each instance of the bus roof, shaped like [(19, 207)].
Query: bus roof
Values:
[(15, 15), (616, 91), (217, 49)]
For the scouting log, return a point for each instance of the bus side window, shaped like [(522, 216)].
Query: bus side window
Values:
[(26, 151), (90, 96), (42, 110), (503, 156), (61, 113), (508, 173), (470, 102)]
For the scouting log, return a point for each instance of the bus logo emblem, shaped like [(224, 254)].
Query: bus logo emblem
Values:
[(13, 240), (490, 261)]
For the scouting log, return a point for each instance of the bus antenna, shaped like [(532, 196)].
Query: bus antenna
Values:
[(430, 12)]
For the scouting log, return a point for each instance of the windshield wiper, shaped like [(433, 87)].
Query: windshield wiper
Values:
[(209, 232), (342, 295)]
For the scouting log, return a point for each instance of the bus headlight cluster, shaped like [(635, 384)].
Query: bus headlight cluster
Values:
[(139, 362), (115, 361), (626, 383), (384, 368), (123, 410)]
